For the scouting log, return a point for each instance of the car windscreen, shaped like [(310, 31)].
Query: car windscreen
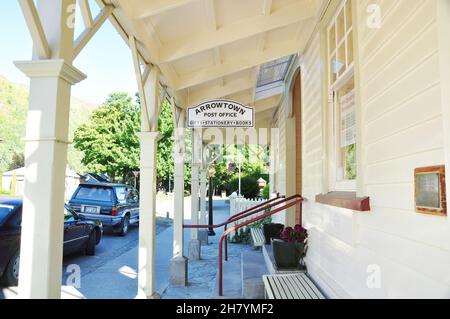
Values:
[(94, 193), (5, 211)]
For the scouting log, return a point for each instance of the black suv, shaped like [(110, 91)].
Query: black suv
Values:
[(115, 205)]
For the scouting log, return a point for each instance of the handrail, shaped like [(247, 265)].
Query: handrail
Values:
[(234, 217), (247, 213), (298, 199)]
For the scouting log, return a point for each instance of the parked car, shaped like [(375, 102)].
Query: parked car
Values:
[(79, 235), (115, 205)]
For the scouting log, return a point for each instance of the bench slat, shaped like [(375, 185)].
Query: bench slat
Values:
[(257, 237), (304, 288), (291, 286), (279, 292), (269, 291), (312, 287)]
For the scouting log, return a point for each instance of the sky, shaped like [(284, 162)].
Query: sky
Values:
[(106, 60)]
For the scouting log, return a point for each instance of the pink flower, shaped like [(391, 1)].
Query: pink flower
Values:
[(294, 235)]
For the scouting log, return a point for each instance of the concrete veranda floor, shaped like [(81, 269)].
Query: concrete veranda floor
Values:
[(116, 277)]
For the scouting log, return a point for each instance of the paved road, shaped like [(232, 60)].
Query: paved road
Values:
[(110, 247)]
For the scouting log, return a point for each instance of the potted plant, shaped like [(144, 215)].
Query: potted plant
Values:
[(290, 248), (272, 231)]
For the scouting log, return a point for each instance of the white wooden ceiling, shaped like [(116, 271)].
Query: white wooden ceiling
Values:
[(209, 49)]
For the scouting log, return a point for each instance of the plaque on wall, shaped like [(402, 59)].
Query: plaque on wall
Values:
[(430, 197)]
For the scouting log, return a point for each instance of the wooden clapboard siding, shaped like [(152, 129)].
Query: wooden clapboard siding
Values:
[(402, 128), (297, 107), (311, 106)]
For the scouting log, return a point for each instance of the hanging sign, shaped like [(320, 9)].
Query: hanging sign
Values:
[(220, 113), (348, 119)]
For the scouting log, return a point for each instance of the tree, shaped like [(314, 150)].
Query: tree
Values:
[(109, 141)]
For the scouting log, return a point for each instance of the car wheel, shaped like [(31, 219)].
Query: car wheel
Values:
[(125, 225), (92, 241), (11, 276)]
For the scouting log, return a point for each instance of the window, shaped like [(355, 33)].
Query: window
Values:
[(69, 216), (96, 193), (5, 211), (132, 196), (121, 193), (341, 86)]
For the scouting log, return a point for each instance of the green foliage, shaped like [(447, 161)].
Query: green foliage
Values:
[(350, 162), (242, 236), (249, 183), (13, 113), (261, 222), (266, 192), (109, 141), (165, 162)]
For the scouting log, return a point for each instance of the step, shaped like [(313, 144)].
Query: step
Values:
[(252, 270), (271, 265)]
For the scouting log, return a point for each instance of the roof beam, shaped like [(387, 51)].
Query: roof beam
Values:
[(86, 13), (88, 33), (35, 27), (140, 79), (199, 42), (240, 64), (154, 7), (259, 105), (218, 91), (266, 11)]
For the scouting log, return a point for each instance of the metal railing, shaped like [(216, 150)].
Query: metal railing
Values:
[(296, 199), (244, 214)]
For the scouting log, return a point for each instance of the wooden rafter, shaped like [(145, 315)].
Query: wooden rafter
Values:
[(154, 7), (35, 27), (242, 29), (88, 33), (86, 13), (139, 78), (245, 62), (219, 91)]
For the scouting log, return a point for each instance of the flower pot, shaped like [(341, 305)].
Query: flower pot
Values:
[(287, 255), (272, 231)]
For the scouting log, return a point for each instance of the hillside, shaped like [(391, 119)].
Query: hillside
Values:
[(13, 111)]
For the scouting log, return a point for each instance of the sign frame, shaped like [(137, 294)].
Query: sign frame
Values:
[(236, 104)]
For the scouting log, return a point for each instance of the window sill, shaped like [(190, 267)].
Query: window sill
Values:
[(346, 200)]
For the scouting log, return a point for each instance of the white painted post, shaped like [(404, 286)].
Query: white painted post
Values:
[(203, 233), (147, 219), (194, 244), (203, 214), (179, 263), (46, 148)]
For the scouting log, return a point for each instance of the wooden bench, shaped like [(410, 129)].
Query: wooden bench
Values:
[(291, 286), (258, 238)]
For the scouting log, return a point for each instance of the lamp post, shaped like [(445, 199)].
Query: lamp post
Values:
[(261, 184), (211, 172), (136, 174)]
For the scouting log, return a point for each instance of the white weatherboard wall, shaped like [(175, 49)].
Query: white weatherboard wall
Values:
[(402, 129), (285, 162)]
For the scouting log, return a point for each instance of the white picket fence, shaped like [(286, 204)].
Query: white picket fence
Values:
[(239, 204)]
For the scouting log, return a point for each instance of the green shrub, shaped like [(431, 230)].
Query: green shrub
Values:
[(266, 192), (249, 184)]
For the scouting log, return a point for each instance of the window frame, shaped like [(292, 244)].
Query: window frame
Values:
[(333, 85)]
